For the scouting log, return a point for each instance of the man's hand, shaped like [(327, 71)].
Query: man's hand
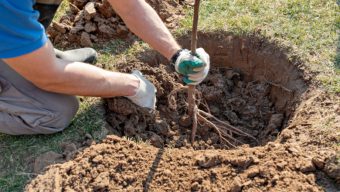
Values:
[(146, 93), (195, 68)]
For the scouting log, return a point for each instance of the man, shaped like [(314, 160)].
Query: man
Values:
[(38, 83)]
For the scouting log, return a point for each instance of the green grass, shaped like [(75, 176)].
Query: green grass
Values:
[(308, 27)]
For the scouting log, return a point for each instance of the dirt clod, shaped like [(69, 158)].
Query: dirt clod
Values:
[(46, 159), (85, 40)]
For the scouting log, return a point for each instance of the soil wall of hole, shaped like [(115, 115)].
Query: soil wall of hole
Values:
[(256, 59)]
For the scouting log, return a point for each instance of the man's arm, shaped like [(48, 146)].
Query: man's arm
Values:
[(43, 69), (145, 23)]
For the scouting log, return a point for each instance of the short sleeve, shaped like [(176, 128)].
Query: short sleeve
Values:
[(20, 31)]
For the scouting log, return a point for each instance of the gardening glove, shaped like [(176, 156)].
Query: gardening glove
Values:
[(146, 93), (195, 68)]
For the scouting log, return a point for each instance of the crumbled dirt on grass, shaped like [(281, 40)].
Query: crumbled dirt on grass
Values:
[(94, 21), (297, 124), (121, 165)]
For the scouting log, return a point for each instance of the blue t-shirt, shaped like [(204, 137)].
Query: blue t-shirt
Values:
[(20, 31)]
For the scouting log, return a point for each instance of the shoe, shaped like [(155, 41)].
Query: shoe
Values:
[(85, 55)]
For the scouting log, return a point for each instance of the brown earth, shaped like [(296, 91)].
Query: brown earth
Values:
[(224, 94), (260, 84), (94, 21)]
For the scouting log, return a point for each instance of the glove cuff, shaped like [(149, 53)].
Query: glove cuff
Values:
[(174, 58)]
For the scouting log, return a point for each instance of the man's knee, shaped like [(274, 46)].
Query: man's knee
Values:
[(64, 112), (54, 118)]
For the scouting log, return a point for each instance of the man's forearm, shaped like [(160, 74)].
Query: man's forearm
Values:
[(43, 69), (83, 79), (145, 23)]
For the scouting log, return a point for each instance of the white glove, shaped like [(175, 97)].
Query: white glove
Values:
[(194, 68), (146, 93)]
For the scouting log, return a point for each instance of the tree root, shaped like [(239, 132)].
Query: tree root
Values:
[(227, 133)]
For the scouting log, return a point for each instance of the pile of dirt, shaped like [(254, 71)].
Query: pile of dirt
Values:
[(224, 94), (94, 21), (121, 165)]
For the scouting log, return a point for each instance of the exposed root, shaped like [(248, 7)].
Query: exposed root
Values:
[(279, 86), (227, 133)]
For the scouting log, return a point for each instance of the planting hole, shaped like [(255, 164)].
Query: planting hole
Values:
[(252, 85)]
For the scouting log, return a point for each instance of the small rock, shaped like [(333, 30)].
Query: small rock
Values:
[(59, 27), (90, 27), (307, 166), (236, 186), (318, 162), (89, 10), (76, 29), (69, 150), (214, 110), (97, 159), (167, 172), (162, 127), (293, 150), (85, 40), (208, 160), (332, 167), (106, 30), (102, 181), (195, 186), (129, 129), (252, 172), (46, 159), (185, 121), (68, 147), (230, 74), (281, 164), (156, 140)]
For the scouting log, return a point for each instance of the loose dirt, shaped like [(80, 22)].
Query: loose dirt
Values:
[(94, 21), (224, 94), (255, 87)]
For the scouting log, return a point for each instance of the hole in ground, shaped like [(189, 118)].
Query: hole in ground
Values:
[(252, 85)]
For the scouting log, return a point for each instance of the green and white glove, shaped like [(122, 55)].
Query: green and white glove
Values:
[(146, 93), (195, 68)]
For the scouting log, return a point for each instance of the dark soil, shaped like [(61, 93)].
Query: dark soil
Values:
[(255, 87), (94, 21), (224, 94)]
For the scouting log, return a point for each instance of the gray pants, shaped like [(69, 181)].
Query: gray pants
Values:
[(25, 109)]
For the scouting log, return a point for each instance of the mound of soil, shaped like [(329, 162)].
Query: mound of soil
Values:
[(121, 165), (224, 94), (94, 21)]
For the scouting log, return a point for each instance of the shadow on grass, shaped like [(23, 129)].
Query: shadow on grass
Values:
[(19, 152)]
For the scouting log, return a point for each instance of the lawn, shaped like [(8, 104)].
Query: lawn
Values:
[(309, 29)]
